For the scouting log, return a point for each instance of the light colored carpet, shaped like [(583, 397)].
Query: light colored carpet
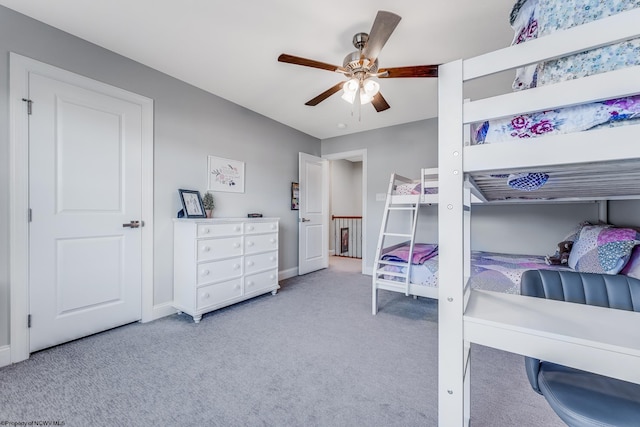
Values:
[(313, 355)]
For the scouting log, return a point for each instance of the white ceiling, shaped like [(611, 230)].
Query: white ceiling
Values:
[(230, 49)]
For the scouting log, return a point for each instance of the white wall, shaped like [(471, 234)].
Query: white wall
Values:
[(189, 125)]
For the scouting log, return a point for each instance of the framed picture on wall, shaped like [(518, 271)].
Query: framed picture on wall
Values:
[(344, 240), (295, 193), (225, 175), (192, 204)]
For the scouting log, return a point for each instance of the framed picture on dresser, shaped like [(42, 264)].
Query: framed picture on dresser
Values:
[(192, 204)]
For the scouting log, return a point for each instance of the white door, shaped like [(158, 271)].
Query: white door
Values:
[(85, 152), (313, 220)]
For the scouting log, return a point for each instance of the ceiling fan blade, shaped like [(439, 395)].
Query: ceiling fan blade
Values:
[(413, 71), (379, 103), (324, 95), (308, 62), (380, 32)]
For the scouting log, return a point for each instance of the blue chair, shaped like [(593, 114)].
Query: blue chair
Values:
[(583, 398)]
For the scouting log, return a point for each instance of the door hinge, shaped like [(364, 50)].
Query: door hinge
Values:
[(30, 217), (28, 321), (29, 105)]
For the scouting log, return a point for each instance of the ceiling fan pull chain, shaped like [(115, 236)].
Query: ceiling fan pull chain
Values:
[(357, 101)]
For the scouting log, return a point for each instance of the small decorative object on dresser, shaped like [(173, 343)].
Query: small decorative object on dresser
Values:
[(191, 203), (208, 203), (222, 261)]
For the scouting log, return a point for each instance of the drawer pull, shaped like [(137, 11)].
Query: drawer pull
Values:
[(250, 263), (205, 272), (206, 295), (236, 228), (237, 287), (206, 249), (236, 266), (249, 283), (236, 245), (272, 258), (249, 243), (205, 231), (273, 276), (272, 240), (251, 228), (273, 226)]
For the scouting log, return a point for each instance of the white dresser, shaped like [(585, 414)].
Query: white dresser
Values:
[(221, 261)]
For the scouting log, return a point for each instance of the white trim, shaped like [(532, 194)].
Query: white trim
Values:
[(161, 310), (287, 274), (5, 355), (20, 68), (346, 155)]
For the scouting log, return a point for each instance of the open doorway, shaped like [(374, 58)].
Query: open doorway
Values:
[(347, 206)]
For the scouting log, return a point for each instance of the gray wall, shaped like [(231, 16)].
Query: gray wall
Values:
[(625, 213), (521, 229), (189, 125)]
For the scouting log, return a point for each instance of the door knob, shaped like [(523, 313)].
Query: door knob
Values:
[(134, 224), (304, 220)]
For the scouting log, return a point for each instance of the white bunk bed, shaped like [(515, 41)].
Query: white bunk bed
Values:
[(403, 194), (584, 337), (489, 270)]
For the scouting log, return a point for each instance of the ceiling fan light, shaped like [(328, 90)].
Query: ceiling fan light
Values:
[(371, 87), (365, 98), (349, 97), (349, 89)]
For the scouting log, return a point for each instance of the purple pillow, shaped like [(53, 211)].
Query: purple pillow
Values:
[(632, 269), (602, 249)]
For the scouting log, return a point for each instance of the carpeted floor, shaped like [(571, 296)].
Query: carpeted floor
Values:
[(313, 355)]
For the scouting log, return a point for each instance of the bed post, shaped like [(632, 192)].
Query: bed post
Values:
[(452, 351)]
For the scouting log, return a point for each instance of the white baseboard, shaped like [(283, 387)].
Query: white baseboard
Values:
[(287, 274), (368, 270), (5, 355), (163, 310), (332, 252)]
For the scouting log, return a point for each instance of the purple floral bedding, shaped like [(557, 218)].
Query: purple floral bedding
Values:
[(564, 120), (414, 188), (489, 271), (502, 272), (536, 18)]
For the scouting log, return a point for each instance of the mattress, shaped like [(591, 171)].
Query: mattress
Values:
[(413, 188), (531, 19), (489, 271)]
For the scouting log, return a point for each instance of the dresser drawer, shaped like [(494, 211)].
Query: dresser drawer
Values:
[(216, 271), (218, 293), (260, 262), (260, 243), (210, 230), (219, 248), (260, 227), (260, 281)]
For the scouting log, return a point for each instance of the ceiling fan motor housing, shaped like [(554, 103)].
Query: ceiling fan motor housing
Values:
[(354, 64)]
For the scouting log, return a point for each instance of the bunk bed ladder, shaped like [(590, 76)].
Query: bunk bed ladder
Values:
[(412, 206)]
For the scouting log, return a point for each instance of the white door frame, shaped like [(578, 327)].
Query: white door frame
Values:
[(20, 68), (347, 155)]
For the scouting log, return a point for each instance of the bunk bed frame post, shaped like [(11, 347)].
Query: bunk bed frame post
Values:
[(452, 350)]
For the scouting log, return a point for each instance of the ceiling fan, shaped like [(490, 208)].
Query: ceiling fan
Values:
[(360, 66)]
